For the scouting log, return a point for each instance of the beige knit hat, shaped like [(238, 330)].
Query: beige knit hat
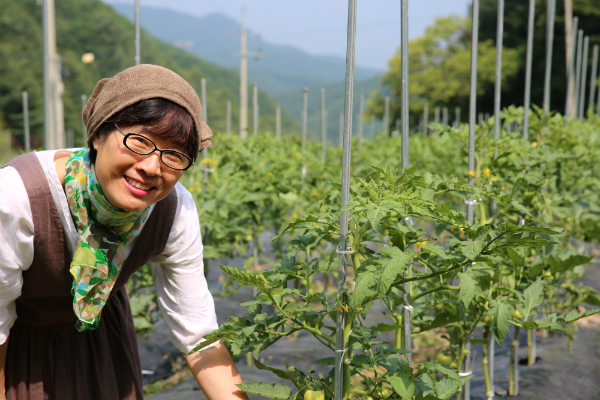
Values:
[(138, 83)]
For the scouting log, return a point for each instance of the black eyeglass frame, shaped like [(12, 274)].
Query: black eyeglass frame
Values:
[(127, 135)]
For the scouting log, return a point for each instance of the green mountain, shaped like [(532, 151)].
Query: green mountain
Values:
[(84, 26), (214, 37)]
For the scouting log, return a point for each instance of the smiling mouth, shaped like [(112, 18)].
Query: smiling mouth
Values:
[(138, 185)]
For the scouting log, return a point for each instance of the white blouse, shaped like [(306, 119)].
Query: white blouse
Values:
[(183, 296)]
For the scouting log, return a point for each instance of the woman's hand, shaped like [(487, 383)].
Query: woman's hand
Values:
[(216, 373)]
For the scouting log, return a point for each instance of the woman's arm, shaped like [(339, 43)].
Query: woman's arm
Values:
[(216, 373), (3, 348)]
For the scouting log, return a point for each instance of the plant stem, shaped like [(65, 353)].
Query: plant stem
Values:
[(356, 244), (398, 337), (436, 289), (484, 361), (346, 386), (512, 373), (308, 249), (530, 357)]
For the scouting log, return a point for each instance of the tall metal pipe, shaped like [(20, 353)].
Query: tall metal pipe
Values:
[(584, 64), (527, 101), (340, 353), (304, 117), (457, 112), (323, 127), (361, 110), (472, 124), (593, 78), (137, 32), (498, 85), (578, 70), (204, 118), (445, 116), (278, 121), (84, 129), (549, 45), (569, 103), (228, 119), (255, 106), (26, 133), (386, 116), (426, 118), (341, 135)]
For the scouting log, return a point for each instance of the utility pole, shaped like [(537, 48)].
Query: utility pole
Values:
[(137, 32), (255, 107), (228, 120), (361, 111), (243, 55), (53, 87)]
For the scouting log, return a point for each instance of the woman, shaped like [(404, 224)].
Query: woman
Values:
[(74, 226)]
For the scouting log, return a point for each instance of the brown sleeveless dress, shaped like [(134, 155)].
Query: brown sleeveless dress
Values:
[(47, 358)]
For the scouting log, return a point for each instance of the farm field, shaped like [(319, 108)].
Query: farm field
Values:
[(251, 192)]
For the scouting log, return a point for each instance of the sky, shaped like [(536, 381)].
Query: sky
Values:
[(319, 26)]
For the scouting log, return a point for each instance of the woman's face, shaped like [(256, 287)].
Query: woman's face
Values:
[(131, 181)]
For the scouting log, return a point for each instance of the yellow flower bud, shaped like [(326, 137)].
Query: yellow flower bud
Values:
[(486, 172), (471, 174)]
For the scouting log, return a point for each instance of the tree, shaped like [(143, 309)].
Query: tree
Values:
[(439, 67)]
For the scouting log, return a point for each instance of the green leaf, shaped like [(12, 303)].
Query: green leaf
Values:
[(140, 324), (211, 338), (468, 288), (391, 268), (441, 320), (139, 302), (533, 297), (246, 278), (402, 384), (519, 207), (593, 300), (277, 392), (364, 287), (501, 313), (375, 214), (325, 361), (279, 372), (437, 250), (384, 328), (472, 249), (446, 388)]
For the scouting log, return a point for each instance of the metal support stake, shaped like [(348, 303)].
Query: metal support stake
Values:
[(228, 119), (445, 116), (255, 110), (278, 121), (26, 137), (204, 118), (340, 348), (386, 116), (549, 44), (436, 115), (584, 64), (569, 106), (137, 32), (457, 123), (527, 102), (341, 129), (361, 111), (323, 127), (407, 345), (497, 87), (304, 117), (84, 129), (426, 118), (472, 114), (593, 78), (578, 71)]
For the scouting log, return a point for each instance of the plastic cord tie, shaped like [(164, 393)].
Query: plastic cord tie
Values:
[(472, 202), (349, 251), (409, 308), (467, 373)]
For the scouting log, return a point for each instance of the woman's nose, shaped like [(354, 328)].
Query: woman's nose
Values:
[(150, 164)]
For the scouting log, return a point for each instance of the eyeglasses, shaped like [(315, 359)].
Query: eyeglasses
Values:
[(140, 144)]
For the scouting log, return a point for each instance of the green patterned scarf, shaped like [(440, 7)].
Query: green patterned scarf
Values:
[(104, 230)]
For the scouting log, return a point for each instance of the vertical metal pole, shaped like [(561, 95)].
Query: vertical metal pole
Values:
[(578, 70), (584, 65), (228, 119), (457, 111), (598, 105), (204, 118), (243, 78), (278, 121), (323, 127), (84, 129), (426, 118), (26, 133), (340, 351), (405, 157), (569, 101), (436, 115), (529, 61), (255, 109), (386, 116), (304, 117), (341, 130), (549, 44), (498, 86), (361, 111), (445, 116), (137, 32), (48, 13), (472, 122), (593, 78)]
